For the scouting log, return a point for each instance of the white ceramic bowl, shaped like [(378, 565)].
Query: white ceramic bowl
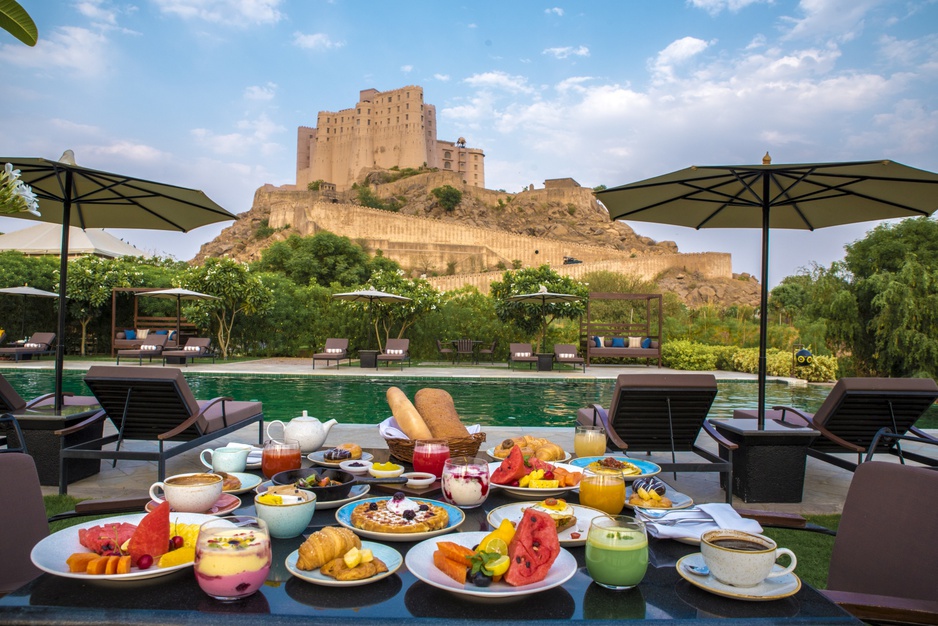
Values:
[(394, 473), (356, 466), (419, 479), (285, 521)]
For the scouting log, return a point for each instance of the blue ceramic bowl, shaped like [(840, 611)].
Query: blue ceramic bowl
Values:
[(287, 520)]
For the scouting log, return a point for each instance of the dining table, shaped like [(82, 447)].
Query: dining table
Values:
[(663, 596)]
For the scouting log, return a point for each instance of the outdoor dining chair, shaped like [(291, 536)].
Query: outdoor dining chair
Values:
[(664, 413), (447, 353), (465, 347), (490, 351)]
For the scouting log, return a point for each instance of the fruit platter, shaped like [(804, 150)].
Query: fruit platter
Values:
[(532, 478), (120, 548)]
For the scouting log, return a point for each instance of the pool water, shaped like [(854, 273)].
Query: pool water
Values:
[(491, 402)]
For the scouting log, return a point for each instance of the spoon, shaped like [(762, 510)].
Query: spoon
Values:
[(697, 570)]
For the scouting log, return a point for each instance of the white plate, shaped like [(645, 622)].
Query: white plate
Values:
[(678, 500), (648, 468), (357, 491), (456, 517), (768, 589), (49, 554), (318, 459), (419, 561), (537, 494), (515, 511), (566, 456), (248, 482), (391, 557)]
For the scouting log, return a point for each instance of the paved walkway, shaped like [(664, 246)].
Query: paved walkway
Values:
[(825, 485)]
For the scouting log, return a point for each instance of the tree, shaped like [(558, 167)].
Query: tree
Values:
[(448, 196), (399, 316), (90, 282), (239, 292), (530, 318), (15, 20), (323, 259)]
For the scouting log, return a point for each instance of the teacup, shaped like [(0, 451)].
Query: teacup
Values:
[(225, 459), (190, 493), (742, 559)]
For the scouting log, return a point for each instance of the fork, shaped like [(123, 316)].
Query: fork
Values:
[(682, 520)]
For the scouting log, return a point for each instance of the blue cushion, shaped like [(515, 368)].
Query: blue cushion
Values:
[(646, 342), (161, 332), (597, 341), (618, 342), (172, 335), (130, 334)]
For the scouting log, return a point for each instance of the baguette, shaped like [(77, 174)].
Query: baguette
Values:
[(438, 411), (407, 416)]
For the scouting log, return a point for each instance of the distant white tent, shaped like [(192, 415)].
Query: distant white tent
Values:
[(47, 239)]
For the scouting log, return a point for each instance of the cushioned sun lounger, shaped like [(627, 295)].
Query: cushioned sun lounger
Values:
[(38, 345), (334, 350)]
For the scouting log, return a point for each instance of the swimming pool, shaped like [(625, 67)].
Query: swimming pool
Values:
[(489, 402)]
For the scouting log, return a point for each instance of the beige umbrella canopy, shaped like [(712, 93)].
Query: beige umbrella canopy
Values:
[(71, 195), (371, 296), (24, 291), (544, 298), (801, 196)]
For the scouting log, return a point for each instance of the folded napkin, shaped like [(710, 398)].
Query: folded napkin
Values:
[(390, 429), (712, 516)]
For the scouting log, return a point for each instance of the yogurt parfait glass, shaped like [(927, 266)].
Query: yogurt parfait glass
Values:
[(232, 557), (465, 481)]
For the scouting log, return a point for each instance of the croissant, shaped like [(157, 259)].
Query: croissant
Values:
[(324, 545), (549, 452)]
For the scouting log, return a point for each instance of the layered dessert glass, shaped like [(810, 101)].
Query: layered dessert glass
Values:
[(465, 481), (232, 556)]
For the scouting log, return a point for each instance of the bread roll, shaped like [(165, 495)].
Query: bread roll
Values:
[(407, 416), (438, 411)]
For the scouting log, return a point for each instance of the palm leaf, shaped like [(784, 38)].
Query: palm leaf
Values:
[(15, 20)]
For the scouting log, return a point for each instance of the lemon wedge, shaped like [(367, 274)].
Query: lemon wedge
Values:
[(499, 566)]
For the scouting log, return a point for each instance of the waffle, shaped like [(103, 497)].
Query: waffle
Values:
[(384, 521)]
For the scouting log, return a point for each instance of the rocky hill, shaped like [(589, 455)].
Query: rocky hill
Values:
[(570, 214)]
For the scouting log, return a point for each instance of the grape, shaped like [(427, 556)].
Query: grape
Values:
[(481, 580), (145, 561)]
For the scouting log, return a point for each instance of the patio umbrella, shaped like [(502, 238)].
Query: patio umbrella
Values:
[(179, 295), (72, 195), (24, 291), (544, 298), (801, 196), (371, 296)]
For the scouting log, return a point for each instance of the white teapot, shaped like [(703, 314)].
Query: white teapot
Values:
[(309, 431)]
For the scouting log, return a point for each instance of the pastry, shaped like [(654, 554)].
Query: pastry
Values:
[(649, 493), (343, 452), (406, 415), (230, 482), (549, 452), (399, 515), (438, 411), (324, 545), (337, 568)]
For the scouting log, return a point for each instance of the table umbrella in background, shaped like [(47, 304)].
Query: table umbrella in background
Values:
[(178, 294), (371, 296), (800, 196), (24, 291), (544, 298), (72, 195)]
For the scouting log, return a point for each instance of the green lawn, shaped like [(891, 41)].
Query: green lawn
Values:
[(813, 549)]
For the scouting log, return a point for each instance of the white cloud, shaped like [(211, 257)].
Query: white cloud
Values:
[(251, 136), (574, 83), (315, 41), (568, 51), (501, 81), (79, 51), (231, 12), (842, 20), (554, 11), (441, 77), (714, 7), (407, 69), (676, 53), (128, 151), (97, 11), (261, 92)]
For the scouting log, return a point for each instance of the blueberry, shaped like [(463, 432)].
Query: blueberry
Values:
[(373, 506), (424, 507), (481, 580), (408, 514), (398, 496)]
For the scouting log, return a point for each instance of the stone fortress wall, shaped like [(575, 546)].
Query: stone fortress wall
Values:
[(431, 245)]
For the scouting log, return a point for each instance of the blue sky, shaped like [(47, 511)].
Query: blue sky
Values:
[(209, 93)]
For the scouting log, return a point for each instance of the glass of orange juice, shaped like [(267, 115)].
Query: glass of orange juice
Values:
[(603, 490), (589, 441)]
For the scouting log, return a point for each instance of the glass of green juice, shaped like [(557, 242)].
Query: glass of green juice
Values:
[(616, 551)]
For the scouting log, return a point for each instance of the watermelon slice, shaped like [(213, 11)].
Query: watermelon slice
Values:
[(511, 469), (152, 535), (533, 549)]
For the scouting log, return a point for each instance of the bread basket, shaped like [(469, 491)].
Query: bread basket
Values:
[(403, 449)]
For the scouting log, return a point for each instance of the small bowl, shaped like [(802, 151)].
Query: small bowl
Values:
[(419, 479), (355, 466), (285, 521), (394, 473)]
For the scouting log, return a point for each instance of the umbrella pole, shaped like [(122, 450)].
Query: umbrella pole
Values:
[(178, 319), (763, 313), (63, 281)]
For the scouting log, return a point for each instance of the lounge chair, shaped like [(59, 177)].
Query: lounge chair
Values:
[(195, 348), (520, 353), (156, 405), (856, 410), (567, 353), (490, 351), (334, 350), (395, 350), (465, 347), (446, 352), (12, 402), (664, 413), (36, 346), (23, 518), (152, 347)]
